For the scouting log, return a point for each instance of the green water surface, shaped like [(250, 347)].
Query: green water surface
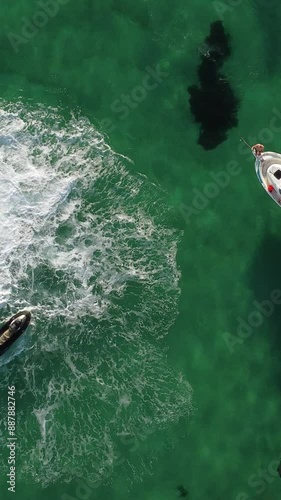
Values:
[(85, 58)]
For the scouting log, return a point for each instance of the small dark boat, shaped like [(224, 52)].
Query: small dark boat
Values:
[(12, 329)]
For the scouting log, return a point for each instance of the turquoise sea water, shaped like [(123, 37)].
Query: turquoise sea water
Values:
[(127, 385)]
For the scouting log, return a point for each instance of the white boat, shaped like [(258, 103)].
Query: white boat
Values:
[(268, 170)]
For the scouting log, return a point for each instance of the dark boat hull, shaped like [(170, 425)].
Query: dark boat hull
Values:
[(17, 333)]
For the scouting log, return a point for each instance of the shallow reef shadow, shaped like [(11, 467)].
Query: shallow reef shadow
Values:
[(213, 102), (265, 276)]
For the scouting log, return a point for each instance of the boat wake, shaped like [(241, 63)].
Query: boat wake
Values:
[(87, 247)]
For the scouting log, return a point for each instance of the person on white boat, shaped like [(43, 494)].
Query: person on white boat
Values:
[(257, 150)]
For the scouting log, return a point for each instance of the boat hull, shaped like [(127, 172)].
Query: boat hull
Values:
[(5, 344), (262, 164)]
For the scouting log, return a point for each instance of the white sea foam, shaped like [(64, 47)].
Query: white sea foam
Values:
[(86, 247)]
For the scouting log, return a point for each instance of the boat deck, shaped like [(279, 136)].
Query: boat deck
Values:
[(262, 165)]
